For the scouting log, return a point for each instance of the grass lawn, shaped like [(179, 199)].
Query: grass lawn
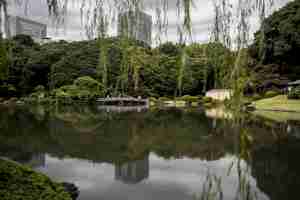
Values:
[(278, 116), (278, 103)]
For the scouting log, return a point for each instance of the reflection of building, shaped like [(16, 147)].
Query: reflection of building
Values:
[(133, 172), (34, 160), (276, 169), (18, 25), (136, 25)]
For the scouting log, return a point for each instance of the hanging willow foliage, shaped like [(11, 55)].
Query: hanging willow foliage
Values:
[(3, 50)]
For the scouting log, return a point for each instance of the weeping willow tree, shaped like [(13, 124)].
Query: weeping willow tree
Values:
[(232, 27), (3, 49)]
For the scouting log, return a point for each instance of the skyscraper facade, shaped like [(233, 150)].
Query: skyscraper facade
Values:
[(18, 25)]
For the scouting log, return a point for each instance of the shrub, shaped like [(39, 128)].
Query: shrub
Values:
[(256, 97), (270, 94), (18, 182), (60, 93), (153, 99), (207, 99), (7, 90), (39, 88), (39, 93), (164, 99), (83, 88), (84, 94), (70, 90), (294, 93), (189, 98), (87, 83)]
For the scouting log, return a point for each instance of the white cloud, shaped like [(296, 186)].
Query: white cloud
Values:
[(202, 18), (174, 179)]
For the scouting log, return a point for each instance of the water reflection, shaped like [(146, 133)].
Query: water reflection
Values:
[(158, 154), (34, 160), (132, 172)]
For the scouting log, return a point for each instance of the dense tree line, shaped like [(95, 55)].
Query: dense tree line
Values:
[(276, 48), (132, 69)]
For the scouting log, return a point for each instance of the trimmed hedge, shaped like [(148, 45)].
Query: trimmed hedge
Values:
[(22, 183)]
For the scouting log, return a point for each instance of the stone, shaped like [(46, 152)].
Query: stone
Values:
[(72, 189)]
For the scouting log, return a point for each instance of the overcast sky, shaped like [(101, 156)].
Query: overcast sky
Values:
[(202, 19)]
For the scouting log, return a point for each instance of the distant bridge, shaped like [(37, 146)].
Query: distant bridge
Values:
[(120, 109), (123, 101)]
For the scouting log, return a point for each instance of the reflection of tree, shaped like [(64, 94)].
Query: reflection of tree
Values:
[(119, 137), (30, 159), (133, 172), (276, 169)]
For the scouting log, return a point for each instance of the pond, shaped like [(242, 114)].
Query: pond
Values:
[(116, 153)]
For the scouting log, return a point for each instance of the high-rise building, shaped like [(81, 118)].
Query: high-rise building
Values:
[(18, 25), (136, 25), (133, 172)]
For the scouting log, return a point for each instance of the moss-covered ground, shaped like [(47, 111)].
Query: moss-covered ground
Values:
[(22, 183)]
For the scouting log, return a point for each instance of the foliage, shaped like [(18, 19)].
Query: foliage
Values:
[(87, 83), (39, 92), (188, 98), (270, 94), (162, 99), (4, 60), (39, 88), (281, 31), (294, 93), (7, 90), (207, 99), (275, 49), (256, 97), (24, 40), (19, 182), (130, 68), (82, 88)]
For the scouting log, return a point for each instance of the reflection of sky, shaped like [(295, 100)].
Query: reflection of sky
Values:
[(169, 179)]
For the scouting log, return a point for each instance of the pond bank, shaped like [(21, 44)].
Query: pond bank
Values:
[(278, 103), (20, 182)]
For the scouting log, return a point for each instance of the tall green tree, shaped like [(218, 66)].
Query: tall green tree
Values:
[(4, 60)]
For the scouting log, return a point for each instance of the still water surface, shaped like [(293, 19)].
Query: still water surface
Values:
[(156, 154)]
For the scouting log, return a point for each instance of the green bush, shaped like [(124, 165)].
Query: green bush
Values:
[(39, 88), (256, 97), (294, 93), (270, 94), (60, 93), (18, 182), (164, 99), (87, 83), (207, 99), (153, 99), (71, 90), (83, 88), (39, 93), (189, 98), (7, 90)]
